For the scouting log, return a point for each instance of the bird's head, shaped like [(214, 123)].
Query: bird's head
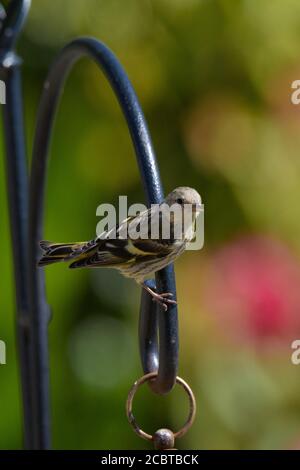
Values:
[(183, 221), (185, 196)]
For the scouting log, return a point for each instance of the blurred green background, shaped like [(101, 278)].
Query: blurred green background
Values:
[(214, 79)]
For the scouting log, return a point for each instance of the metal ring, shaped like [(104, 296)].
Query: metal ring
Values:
[(132, 420)]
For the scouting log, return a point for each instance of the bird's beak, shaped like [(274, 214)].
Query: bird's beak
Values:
[(196, 208)]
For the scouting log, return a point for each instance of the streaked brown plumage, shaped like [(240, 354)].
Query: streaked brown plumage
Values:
[(134, 258)]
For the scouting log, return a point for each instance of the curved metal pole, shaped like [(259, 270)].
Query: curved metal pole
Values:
[(17, 189), (168, 349), (15, 17)]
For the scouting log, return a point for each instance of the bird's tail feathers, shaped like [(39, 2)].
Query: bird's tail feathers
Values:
[(55, 252)]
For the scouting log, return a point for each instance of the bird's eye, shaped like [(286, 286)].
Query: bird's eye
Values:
[(179, 201)]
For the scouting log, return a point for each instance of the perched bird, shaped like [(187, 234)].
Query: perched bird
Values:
[(134, 256)]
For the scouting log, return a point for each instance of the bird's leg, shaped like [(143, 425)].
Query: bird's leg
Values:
[(161, 299)]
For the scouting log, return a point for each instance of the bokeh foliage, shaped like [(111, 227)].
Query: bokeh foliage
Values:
[(214, 78)]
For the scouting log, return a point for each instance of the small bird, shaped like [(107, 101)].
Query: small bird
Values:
[(136, 257)]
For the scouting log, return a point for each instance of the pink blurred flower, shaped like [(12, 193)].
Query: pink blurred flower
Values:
[(254, 286)]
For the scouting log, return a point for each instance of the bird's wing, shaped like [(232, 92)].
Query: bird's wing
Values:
[(104, 253), (151, 241), (140, 241), (123, 247)]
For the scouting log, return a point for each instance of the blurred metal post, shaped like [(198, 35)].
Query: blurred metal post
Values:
[(17, 187)]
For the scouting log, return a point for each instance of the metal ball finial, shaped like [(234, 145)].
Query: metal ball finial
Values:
[(163, 439)]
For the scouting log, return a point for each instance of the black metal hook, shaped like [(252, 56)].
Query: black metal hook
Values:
[(165, 359)]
